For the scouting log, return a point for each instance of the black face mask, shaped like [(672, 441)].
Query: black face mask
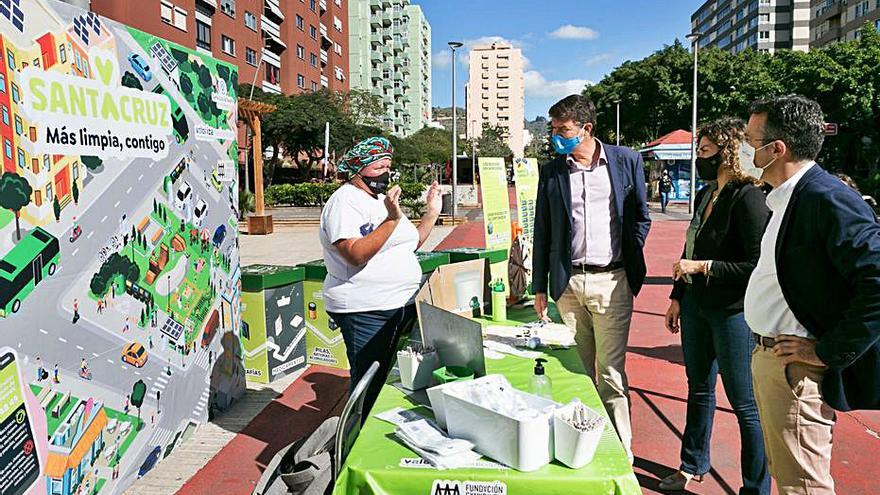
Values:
[(707, 168), (379, 184)]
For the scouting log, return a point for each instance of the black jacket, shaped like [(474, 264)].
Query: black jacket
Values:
[(553, 218), (731, 238), (828, 264)]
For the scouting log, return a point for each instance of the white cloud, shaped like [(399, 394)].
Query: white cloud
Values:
[(598, 59), (539, 87), (442, 59), (572, 32)]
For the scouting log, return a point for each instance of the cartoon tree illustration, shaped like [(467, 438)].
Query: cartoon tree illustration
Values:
[(15, 194), (155, 206), (129, 80), (92, 162)]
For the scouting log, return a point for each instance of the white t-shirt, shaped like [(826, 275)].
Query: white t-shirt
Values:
[(390, 279)]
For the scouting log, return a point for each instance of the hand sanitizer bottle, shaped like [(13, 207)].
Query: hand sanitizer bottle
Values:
[(540, 384)]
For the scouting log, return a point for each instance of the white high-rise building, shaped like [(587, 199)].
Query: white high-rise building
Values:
[(495, 93)]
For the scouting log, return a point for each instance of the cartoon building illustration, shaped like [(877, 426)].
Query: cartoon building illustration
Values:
[(74, 448)]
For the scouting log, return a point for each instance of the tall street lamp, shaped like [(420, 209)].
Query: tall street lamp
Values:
[(617, 132), (695, 42), (453, 45)]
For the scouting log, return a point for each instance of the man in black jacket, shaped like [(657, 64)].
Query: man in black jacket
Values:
[(591, 221), (813, 300)]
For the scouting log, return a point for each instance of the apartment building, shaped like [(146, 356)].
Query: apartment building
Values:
[(763, 25), (283, 46), (495, 93), (390, 56), (840, 20)]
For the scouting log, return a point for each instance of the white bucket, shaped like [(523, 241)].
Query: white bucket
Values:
[(573, 447), (417, 374)]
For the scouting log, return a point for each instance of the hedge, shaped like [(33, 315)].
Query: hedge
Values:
[(317, 193)]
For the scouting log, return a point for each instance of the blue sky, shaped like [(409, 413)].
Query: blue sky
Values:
[(565, 43)]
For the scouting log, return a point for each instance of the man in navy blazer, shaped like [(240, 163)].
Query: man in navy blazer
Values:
[(813, 300), (591, 222)]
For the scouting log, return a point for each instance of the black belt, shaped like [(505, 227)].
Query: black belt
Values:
[(764, 341), (597, 268)]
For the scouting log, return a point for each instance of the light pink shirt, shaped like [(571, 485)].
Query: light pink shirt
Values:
[(595, 236)]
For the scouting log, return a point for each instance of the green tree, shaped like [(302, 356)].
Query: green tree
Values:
[(138, 393), (15, 194), (91, 162), (204, 104), (129, 80), (493, 142), (186, 86), (179, 55)]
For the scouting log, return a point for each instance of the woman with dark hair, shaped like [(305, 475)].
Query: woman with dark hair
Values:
[(721, 249)]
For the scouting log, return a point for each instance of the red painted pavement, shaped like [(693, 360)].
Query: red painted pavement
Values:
[(658, 392), (319, 393)]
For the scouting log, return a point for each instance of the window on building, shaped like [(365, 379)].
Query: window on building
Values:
[(312, 5), (250, 56), (228, 45), (8, 145), (250, 20), (228, 7), (314, 60), (300, 81), (62, 53), (337, 48), (2, 82), (300, 52), (46, 163), (5, 115), (273, 74), (299, 22), (313, 32), (49, 192), (337, 23), (75, 171), (203, 35), (38, 200), (19, 126), (764, 35), (167, 12), (764, 18), (22, 161), (10, 58), (180, 18), (314, 86), (15, 93)]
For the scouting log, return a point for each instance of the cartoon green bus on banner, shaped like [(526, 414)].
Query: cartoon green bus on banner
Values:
[(34, 258)]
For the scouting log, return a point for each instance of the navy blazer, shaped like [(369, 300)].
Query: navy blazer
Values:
[(553, 219), (828, 266)]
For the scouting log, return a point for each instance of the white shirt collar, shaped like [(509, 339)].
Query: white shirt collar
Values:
[(779, 197), (603, 158)]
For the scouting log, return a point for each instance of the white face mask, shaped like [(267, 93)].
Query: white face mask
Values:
[(765, 167), (747, 161)]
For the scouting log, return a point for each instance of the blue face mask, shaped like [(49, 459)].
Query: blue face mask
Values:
[(564, 145)]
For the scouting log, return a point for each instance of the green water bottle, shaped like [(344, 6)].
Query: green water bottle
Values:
[(499, 300)]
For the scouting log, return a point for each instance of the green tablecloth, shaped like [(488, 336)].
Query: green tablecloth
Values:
[(374, 464)]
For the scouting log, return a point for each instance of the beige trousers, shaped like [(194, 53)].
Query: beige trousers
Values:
[(796, 423), (598, 307)]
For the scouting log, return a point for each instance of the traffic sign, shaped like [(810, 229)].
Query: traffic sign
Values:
[(830, 129)]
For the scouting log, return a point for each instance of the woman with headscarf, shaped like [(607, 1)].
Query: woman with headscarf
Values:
[(369, 249)]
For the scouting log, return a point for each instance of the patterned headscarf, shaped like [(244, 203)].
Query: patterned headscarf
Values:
[(364, 153)]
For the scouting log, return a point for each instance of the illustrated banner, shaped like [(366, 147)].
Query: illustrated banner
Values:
[(120, 303)]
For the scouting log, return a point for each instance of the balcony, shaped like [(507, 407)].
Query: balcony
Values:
[(828, 12), (323, 5), (324, 57), (398, 61), (211, 4), (387, 18), (375, 5), (271, 58), (503, 84), (375, 39), (829, 36), (325, 82), (502, 64), (271, 88), (272, 10), (273, 36)]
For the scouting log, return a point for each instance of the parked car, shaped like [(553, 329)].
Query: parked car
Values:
[(134, 354), (219, 235), (140, 66), (210, 329), (150, 461), (200, 212), (184, 195)]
